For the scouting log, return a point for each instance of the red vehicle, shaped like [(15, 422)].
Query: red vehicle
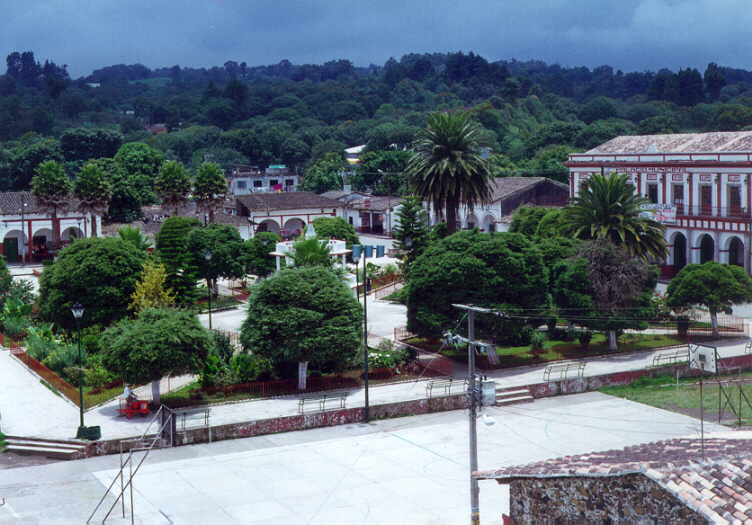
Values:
[(134, 407)]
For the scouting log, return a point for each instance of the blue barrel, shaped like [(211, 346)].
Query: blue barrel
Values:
[(380, 250), (369, 250), (356, 251)]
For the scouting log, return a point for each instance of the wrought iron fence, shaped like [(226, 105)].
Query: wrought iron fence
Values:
[(45, 373)]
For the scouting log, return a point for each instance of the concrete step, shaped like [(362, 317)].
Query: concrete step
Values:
[(53, 449), (513, 397)]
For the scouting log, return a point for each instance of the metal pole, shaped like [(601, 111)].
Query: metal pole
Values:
[(80, 379), (210, 294), (474, 490), (365, 328), (23, 206), (702, 424)]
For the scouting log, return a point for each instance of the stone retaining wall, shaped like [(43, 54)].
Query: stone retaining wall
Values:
[(409, 408)]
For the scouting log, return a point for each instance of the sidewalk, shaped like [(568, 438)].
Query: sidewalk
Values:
[(28, 408)]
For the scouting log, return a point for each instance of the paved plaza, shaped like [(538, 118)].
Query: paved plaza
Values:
[(406, 470)]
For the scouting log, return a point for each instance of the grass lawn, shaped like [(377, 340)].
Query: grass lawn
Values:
[(684, 397)]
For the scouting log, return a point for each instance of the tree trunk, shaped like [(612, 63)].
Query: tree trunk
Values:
[(56, 243), (451, 216), (714, 322), (302, 373), (156, 399), (93, 225), (612, 341), (211, 215)]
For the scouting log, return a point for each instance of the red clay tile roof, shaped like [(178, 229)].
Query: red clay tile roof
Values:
[(10, 203), (289, 200), (503, 187), (720, 487), (738, 141)]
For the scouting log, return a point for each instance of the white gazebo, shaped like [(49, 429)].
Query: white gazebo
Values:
[(285, 248)]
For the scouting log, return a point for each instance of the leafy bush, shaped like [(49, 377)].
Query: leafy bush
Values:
[(90, 343), (408, 355), (40, 342), (223, 349), (585, 337), (96, 375), (62, 356)]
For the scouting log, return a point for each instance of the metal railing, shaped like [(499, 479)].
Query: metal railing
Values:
[(62, 386)]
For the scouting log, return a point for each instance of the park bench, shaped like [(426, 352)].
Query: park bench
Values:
[(322, 398), (671, 357), (446, 384), (563, 369), (191, 414)]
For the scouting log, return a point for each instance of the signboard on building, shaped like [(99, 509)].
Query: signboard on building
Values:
[(367, 201), (663, 213)]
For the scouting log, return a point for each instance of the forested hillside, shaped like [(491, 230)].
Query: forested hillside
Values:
[(304, 116)]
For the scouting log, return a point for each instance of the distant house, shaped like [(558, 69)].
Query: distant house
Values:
[(243, 180), (353, 154), (508, 194), (367, 213), (286, 213), (664, 482), (27, 230)]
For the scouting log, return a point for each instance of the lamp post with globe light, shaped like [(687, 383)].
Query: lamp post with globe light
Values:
[(78, 313)]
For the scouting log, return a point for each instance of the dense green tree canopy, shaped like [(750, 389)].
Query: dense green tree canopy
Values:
[(714, 285), (210, 189), (226, 247), (324, 175), (93, 192), (446, 167), (412, 223), (256, 256), (609, 208), (604, 288), (51, 188), (303, 315), (181, 265), (172, 186), (160, 343), (99, 273), (502, 270)]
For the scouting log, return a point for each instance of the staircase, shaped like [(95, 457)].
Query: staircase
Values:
[(49, 448), (513, 396)]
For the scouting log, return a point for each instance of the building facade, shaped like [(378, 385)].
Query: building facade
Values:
[(698, 185), (285, 214), (243, 180)]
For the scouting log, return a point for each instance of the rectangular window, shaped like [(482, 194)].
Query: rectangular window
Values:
[(735, 200), (273, 182), (653, 193), (241, 184), (257, 183), (706, 199), (289, 182), (679, 198)]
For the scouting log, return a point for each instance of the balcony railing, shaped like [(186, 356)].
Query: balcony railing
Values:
[(728, 212)]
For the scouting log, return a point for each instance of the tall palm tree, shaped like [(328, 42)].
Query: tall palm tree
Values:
[(51, 187), (93, 192), (609, 208), (172, 185), (210, 189), (446, 167)]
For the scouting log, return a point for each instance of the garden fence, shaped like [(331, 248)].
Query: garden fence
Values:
[(388, 289)]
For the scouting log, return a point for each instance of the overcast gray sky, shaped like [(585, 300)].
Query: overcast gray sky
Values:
[(631, 35)]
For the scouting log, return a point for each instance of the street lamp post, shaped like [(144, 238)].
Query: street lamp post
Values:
[(365, 322), (23, 212), (78, 312), (207, 256)]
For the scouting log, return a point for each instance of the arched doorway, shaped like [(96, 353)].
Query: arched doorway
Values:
[(736, 252), (680, 252), (707, 249)]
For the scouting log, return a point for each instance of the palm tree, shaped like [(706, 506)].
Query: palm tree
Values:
[(52, 188), (309, 251), (446, 167), (172, 185), (210, 189), (608, 208), (135, 237), (93, 192)]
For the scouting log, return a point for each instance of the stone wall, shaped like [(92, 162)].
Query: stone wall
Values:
[(630, 498)]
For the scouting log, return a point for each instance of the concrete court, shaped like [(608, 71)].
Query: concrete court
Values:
[(407, 470)]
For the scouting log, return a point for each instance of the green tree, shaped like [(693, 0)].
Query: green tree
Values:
[(526, 220), (100, 273), (226, 247), (137, 157), (135, 237), (210, 189), (125, 203), (310, 251), (412, 220), (173, 186), (335, 228), (605, 288), (93, 193), (256, 256), (51, 187), (502, 270), (608, 208), (160, 343), (324, 175), (180, 263), (150, 292), (446, 167), (714, 285), (302, 316)]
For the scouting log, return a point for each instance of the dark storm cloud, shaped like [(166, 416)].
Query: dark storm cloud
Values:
[(633, 35)]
